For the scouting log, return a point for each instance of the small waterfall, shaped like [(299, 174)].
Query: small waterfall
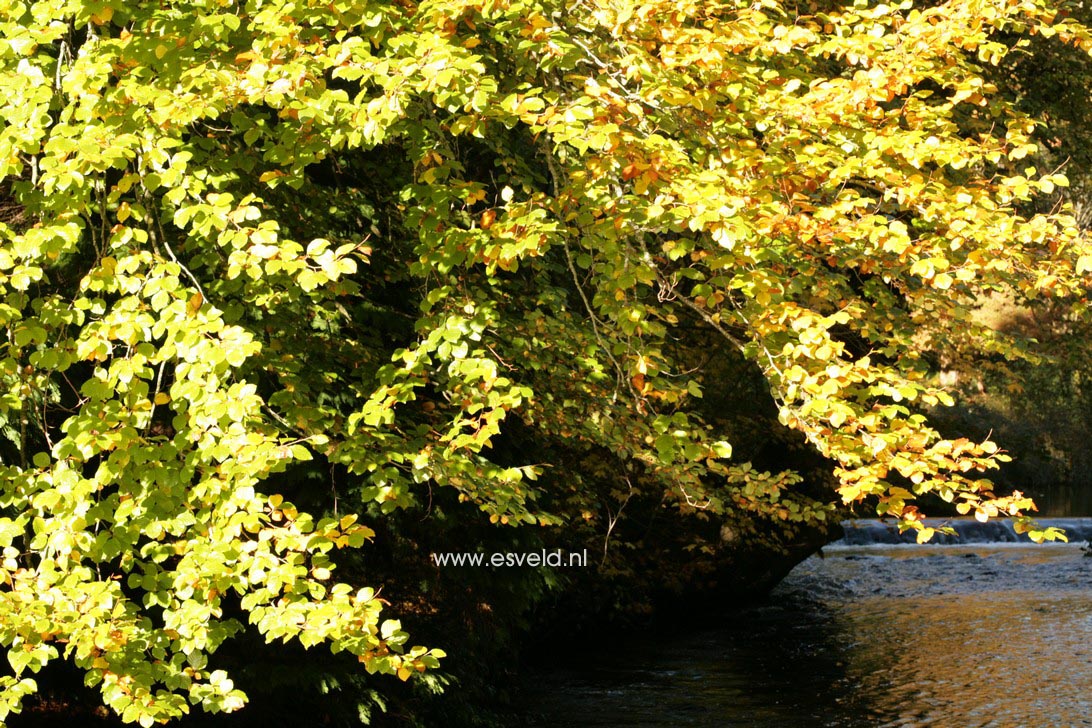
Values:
[(872, 531)]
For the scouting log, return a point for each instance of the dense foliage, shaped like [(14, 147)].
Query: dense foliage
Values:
[(285, 278), (1038, 405)]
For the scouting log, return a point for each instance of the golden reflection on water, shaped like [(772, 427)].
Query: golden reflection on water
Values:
[(991, 658), (973, 635), (946, 636)]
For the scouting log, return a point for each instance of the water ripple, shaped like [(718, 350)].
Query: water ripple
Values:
[(978, 635)]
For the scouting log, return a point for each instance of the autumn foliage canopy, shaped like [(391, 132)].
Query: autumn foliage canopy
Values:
[(243, 240)]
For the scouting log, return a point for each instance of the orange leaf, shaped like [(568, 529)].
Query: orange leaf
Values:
[(194, 304)]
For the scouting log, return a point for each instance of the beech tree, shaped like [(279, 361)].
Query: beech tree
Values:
[(239, 236)]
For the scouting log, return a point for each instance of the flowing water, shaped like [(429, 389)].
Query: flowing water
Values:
[(988, 631)]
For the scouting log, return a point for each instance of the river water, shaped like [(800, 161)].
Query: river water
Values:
[(983, 632)]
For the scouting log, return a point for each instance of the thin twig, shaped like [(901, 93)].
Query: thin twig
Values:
[(612, 520), (592, 317)]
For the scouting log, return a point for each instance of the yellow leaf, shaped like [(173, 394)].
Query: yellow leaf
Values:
[(103, 16), (162, 398)]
